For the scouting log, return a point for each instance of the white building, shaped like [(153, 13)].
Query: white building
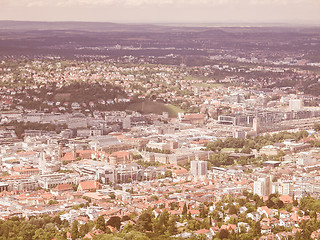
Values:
[(198, 168), (295, 104), (263, 186)]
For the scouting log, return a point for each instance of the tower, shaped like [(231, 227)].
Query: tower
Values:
[(198, 168), (263, 186), (256, 125), (60, 151)]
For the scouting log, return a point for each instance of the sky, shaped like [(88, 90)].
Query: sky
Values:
[(164, 11)]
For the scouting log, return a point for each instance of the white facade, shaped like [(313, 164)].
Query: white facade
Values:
[(295, 104), (263, 186), (198, 168)]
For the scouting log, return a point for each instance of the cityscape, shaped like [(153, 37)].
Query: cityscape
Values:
[(159, 131)]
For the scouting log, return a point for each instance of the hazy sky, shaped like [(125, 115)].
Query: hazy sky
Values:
[(163, 11)]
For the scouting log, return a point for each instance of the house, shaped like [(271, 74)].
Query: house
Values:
[(94, 233), (265, 229), (265, 222), (270, 236), (214, 230), (255, 216), (205, 232), (229, 227), (286, 199), (286, 222), (61, 188), (284, 214), (194, 212), (89, 186), (285, 235), (315, 234), (243, 209), (243, 227), (270, 213)]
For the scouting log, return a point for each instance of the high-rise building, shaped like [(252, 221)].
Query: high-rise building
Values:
[(256, 125), (126, 123), (263, 186), (198, 168), (295, 104)]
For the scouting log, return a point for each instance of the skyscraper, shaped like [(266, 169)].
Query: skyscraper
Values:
[(256, 125), (198, 168), (263, 186), (295, 104)]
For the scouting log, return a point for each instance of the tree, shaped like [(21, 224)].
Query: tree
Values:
[(135, 235), (168, 173), (114, 221), (233, 209), (160, 224), (100, 224), (202, 211), (316, 127), (223, 234), (112, 196), (184, 210), (74, 230), (41, 234), (172, 228), (84, 229), (144, 222), (257, 228), (193, 225)]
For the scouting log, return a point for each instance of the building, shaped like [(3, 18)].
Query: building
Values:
[(120, 157), (107, 175), (27, 170), (194, 118), (269, 150), (160, 146), (271, 164), (256, 125), (89, 186), (295, 104), (198, 168), (126, 123), (4, 186), (52, 180), (263, 186), (283, 188)]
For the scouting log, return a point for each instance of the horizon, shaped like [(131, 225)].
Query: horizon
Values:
[(180, 24), (303, 12)]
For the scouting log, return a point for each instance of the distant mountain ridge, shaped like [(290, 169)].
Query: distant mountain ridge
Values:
[(90, 26)]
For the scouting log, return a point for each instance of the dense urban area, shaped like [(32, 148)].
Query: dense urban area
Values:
[(152, 132)]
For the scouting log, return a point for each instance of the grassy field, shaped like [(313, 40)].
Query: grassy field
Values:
[(226, 150), (210, 85), (196, 78), (155, 107)]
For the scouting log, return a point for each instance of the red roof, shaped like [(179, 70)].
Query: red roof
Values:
[(63, 187), (194, 116), (88, 185), (120, 154)]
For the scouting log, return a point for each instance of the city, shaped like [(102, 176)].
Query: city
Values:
[(115, 131)]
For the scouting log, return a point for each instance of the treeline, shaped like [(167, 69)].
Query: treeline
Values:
[(36, 228), (20, 127), (220, 158), (80, 92), (254, 142), (157, 150)]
